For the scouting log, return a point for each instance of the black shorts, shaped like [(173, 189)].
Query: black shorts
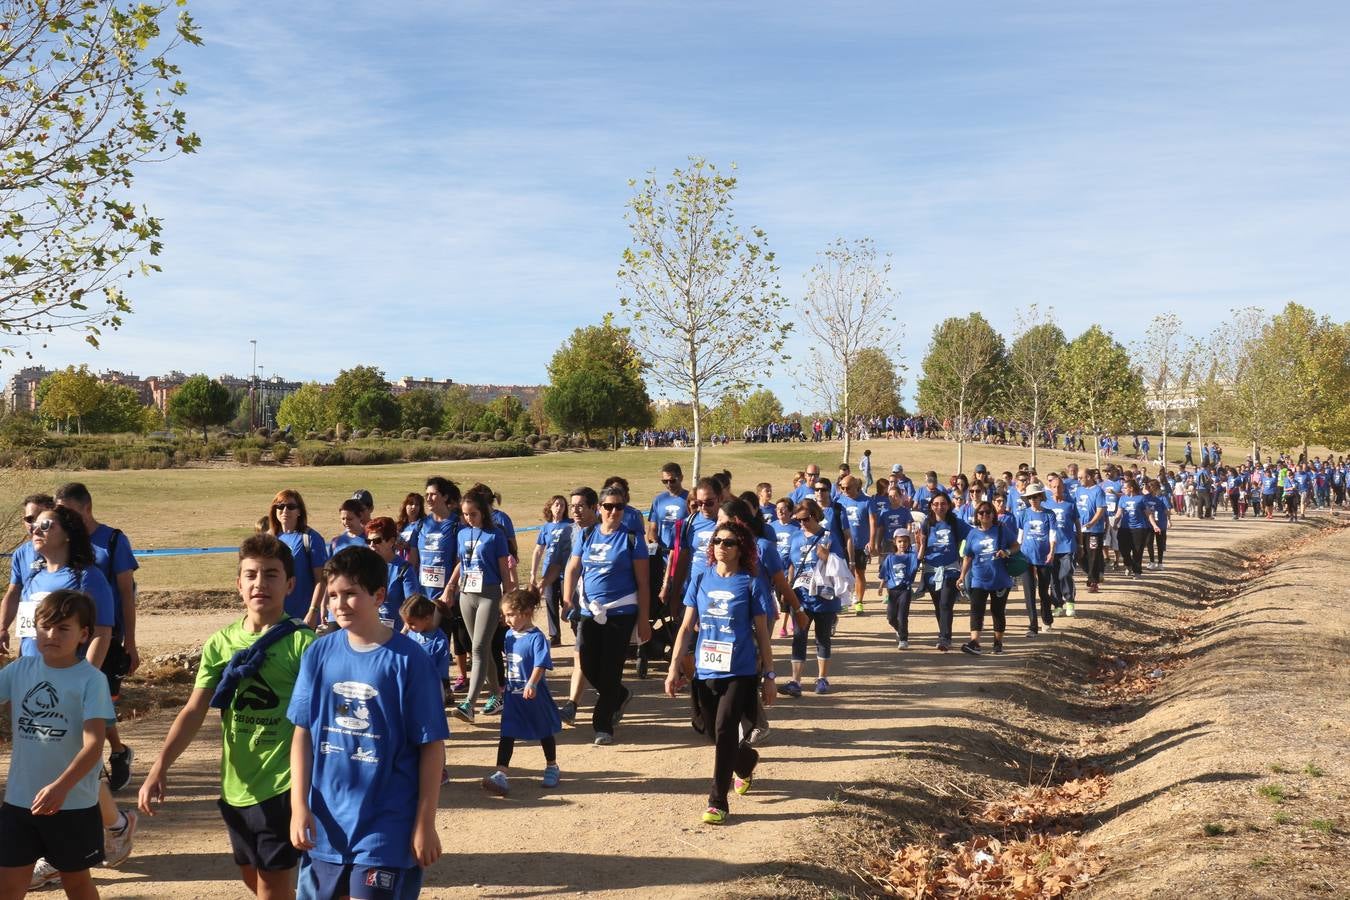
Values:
[(71, 840), (116, 664), (261, 834), (859, 558)]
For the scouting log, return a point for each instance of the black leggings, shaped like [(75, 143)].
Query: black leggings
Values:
[(725, 702), (507, 745), (944, 607), (1132, 548), (1036, 584), (1158, 540), (998, 606), (897, 609), (602, 649), (1093, 558)]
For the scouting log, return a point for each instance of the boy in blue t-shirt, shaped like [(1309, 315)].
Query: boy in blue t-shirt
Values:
[(368, 751), (59, 712)]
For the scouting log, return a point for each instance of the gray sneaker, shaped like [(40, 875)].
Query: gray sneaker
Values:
[(758, 736), (44, 873), (603, 739), (117, 844)]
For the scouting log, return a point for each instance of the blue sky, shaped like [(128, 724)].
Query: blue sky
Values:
[(438, 188)]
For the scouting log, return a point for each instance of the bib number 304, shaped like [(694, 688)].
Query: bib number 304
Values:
[(715, 656)]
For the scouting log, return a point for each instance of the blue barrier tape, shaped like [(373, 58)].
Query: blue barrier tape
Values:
[(160, 552)]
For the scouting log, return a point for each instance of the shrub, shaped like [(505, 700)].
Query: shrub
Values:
[(330, 435), (448, 436), (253, 457), (93, 461), (409, 434), (424, 432), (311, 435), (358, 434), (424, 437), (281, 452), (499, 435), (117, 464), (263, 432), (376, 433), (241, 454), (180, 457), (542, 445), (471, 437)]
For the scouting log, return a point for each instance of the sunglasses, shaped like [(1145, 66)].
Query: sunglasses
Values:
[(800, 518), (725, 542), (822, 487), (668, 481), (374, 540), (288, 507), (703, 504), (29, 520), (43, 526), (985, 512), (610, 507)]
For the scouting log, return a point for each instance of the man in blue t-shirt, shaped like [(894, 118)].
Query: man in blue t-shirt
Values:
[(858, 511), (668, 508), (119, 567)]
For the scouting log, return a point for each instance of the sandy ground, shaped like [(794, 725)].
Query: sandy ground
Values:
[(624, 821)]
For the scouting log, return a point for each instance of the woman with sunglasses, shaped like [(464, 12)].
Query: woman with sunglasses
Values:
[(983, 572), (288, 520), (607, 582), (810, 548), (64, 560), (939, 538), (382, 537), (482, 573), (728, 607)]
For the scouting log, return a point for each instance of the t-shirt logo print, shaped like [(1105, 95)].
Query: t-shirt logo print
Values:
[(352, 711), (40, 712), (257, 695)]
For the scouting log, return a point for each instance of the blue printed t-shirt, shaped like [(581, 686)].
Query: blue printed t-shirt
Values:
[(345, 540), (401, 584), (504, 525), (1066, 524), (434, 644), (436, 549), (894, 519), (556, 539), (43, 582), (481, 551), (726, 606), (633, 523), (803, 556), (23, 564), (1088, 501), (306, 561), (897, 569), (782, 534), (1159, 511), (1036, 530), (47, 711), (607, 567), (986, 571), (770, 564), (942, 541), (859, 523), (368, 715), (836, 523), (120, 558), (668, 509), (695, 538), (1112, 489), (924, 496), (1133, 509), (529, 720), (1268, 484)]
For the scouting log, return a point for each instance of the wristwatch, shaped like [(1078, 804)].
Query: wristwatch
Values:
[(769, 675)]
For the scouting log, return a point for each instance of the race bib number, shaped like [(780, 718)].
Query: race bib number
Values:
[(473, 581), (433, 576), (715, 656), (803, 582), (27, 627)]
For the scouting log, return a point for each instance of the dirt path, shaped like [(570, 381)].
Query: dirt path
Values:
[(625, 820)]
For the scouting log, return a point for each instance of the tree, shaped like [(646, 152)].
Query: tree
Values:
[(419, 408), (1099, 390), (305, 410), (1311, 356), (964, 373), (70, 394), (701, 295), (119, 410), (1165, 360), (360, 397), (760, 408), (595, 382), (1239, 372), (848, 305), (1033, 360), (874, 384), (459, 410), (87, 99), (200, 403)]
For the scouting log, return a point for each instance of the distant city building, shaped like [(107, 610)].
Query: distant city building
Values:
[(21, 390)]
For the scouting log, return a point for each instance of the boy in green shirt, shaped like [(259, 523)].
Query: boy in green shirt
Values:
[(248, 671)]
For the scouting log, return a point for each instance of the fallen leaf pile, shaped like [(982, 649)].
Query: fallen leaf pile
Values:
[(1043, 807), (1036, 867), (1122, 679)]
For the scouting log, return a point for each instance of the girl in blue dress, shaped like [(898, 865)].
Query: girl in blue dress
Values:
[(529, 713)]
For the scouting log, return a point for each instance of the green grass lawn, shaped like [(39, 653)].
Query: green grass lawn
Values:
[(219, 506)]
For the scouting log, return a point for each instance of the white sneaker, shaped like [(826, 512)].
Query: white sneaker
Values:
[(117, 846), (44, 873), (902, 645), (757, 736), (1158, 567)]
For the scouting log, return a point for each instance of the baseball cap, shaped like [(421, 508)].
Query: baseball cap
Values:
[(364, 498), (981, 468), (897, 469)]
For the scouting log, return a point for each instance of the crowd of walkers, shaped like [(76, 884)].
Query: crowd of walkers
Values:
[(337, 685)]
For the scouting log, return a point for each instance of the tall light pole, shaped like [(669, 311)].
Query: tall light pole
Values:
[(253, 388)]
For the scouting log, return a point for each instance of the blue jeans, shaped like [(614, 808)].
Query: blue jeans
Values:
[(823, 623)]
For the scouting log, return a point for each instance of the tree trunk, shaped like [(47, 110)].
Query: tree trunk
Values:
[(848, 430), (960, 436), (1035, 426), (698, 431)]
